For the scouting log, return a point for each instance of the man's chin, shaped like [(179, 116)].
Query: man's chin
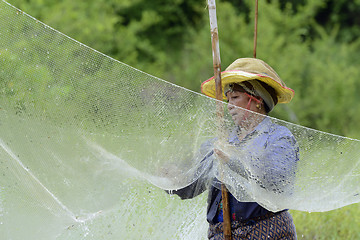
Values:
[(237, 119)]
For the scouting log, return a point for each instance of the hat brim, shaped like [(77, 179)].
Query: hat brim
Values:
[(283, 93)]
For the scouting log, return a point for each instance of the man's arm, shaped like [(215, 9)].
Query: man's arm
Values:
[(202, 181), (279, 163)]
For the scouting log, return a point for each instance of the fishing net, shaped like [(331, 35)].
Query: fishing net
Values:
[(91, 148)]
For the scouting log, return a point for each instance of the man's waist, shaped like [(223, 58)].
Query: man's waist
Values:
[(248, 219)]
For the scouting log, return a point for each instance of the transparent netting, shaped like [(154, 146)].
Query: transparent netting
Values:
[(91, 148)]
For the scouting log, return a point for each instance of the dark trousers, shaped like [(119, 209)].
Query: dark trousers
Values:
[(276, 226)]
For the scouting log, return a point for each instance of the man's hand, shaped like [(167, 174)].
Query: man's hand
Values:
[(223, 157)]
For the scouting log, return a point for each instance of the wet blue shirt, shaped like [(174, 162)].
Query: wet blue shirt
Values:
[(272, 147)]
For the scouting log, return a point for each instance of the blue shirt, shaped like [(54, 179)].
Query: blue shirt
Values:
[(269, 146)]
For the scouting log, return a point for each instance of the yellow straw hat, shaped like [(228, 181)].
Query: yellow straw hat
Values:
[(245, 69)]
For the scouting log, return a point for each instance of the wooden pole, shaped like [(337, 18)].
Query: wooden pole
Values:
[(219, 107), (255, 28)]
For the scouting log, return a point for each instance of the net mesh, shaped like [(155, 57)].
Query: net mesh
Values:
[(89, 144)]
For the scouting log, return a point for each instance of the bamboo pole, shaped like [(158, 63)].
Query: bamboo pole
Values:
[(255, 28), (219, 107)]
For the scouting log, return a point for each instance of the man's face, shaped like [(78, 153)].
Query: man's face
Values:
[(238, 99)]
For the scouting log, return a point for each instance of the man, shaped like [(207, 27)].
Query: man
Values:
[(262, 158)]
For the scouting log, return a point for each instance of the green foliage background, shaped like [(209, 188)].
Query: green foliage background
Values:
[(313, 45)]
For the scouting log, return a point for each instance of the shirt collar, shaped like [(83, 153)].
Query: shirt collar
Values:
[(262, 127)]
